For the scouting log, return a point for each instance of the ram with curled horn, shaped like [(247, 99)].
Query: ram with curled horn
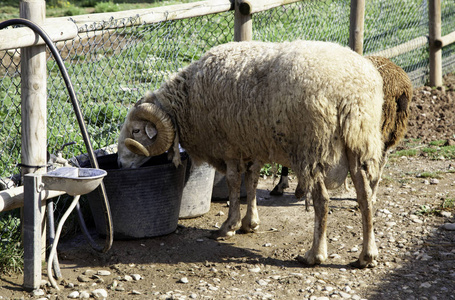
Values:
[(313, 106), (151, 133)]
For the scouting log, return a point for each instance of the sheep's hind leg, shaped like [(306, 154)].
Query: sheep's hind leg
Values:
[(283, 184), (250, 222), (232, 224), (318, 252), (365, 197)]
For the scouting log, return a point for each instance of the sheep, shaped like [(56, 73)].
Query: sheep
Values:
[(397, 90), (314, 106)]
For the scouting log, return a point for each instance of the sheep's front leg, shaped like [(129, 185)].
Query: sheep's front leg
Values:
[(250, 222), (232, 224), (318, 252), (365, 198)]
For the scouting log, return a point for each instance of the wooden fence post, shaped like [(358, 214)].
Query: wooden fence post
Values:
[(434, 15), (356, 25), (243, 24), (34, 127)]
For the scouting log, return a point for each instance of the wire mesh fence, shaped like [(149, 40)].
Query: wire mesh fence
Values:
[(113, 66)]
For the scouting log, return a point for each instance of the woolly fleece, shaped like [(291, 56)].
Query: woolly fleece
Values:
[(299, 104)]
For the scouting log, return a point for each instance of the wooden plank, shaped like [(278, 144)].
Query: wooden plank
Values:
[(14, 198), (60, 30), (247, 7), (402, 48), (151, 15), (448, 39)]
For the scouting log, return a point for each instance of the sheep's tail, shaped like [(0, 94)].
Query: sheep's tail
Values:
[(361, 130)]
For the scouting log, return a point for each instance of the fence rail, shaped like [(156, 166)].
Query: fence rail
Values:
[(113, 58)]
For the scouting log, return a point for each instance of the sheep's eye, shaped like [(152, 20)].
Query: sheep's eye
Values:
[(136, 130)]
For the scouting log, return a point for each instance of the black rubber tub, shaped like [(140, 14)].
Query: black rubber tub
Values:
[(144, 202)]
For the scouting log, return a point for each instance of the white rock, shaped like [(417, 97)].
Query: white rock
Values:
[(74, 295), (425, 285), (136, 277), (84, 295), (99, 294), (446, 214), (345, 295), (38, 292), (434, 181), (262, 282), (127, 278), (390, 224), (255, 270), (416, 220), (89, 272), (347, 289), (183, 280), (134, 292), (103, 273)]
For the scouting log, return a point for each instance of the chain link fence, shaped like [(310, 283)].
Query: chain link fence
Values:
[(112, 67)]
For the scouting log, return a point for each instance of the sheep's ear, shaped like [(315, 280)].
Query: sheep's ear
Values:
[(165, 131), (150, 130)]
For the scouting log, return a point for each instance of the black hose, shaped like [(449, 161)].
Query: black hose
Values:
[(94, 163)]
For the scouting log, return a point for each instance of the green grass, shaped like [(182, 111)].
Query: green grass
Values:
[(447, 204), (11, 248), (435, 150), (436, 175)]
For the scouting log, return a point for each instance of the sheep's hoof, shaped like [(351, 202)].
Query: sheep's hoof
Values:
[(277, 191), (221, 235), (249, 226), (362, 265), (307, 261)]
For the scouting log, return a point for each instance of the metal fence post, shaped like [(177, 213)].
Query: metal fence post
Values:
[(434, 15), (243, 24), (34, 124), (356, 25), (32, 231)]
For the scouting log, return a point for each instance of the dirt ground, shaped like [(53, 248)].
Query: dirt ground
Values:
[(416, 252)]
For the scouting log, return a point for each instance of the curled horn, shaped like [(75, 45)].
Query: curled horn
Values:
[(164, 127)]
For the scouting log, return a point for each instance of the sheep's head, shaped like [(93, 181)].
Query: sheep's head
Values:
[(147, 131)]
